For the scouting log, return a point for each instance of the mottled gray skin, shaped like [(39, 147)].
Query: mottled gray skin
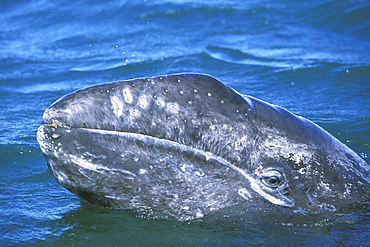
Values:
[(183, 146)]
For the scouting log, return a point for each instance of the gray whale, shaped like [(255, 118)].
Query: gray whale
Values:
[(183, 146)]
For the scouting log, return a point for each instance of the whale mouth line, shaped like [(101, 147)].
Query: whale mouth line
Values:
[(209, 156)]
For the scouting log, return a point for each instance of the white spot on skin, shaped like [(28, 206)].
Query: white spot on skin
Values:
[(88, 165), (61, 176), (243, 192), (199, 215), (183, 167), (55, 136), (143, 102), (117, 105), (134, 113), (173, 107), (199, 173), (160, 102), (127, 95)]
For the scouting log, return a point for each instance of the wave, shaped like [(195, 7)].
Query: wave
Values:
[(348, 17), (259, 57)]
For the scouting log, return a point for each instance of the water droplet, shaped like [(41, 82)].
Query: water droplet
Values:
[(154, 96), (142, 171), (178, 80), (136, 159), (55, 136), (195, 90), (122, 155), (190, 102), (209, 94), (222, 101), (181, 92), (237, 111)]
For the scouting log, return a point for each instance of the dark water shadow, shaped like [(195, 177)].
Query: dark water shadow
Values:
[(90, 225)]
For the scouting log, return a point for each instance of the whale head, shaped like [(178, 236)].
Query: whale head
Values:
[(183, 146)]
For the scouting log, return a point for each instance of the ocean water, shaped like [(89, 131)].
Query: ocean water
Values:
[(311, 57)]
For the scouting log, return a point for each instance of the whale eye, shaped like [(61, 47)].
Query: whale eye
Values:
[(272, 179)]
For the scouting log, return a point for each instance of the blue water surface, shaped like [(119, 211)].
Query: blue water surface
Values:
[(311, 57)]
